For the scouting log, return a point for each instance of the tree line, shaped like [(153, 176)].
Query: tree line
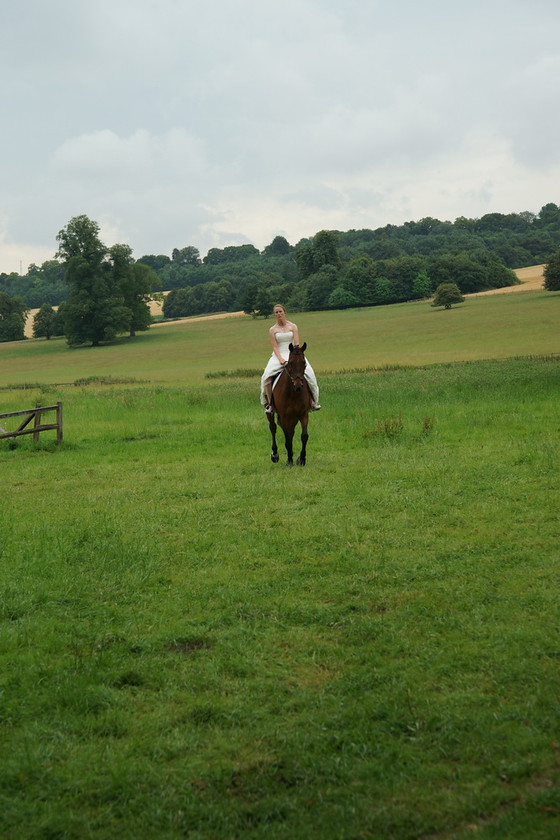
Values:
[(103, 291), (336, 269)]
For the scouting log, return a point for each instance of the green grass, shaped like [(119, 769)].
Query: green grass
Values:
[(498, 326), (195, 642)]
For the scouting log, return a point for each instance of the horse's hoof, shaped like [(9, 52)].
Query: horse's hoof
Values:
[(300, 462), (275, 458)]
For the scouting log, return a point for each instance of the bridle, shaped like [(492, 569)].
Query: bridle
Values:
[(299, 377)]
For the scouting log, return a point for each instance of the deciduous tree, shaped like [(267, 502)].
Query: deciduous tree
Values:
[(136, 282), (44, 321), (279, 247), (447, 294), (95, 310), (552, 273), (13, 312)]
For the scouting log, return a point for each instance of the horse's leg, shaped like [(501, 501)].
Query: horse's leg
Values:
[(304, 439), (274, 456), (304, 434), (289, 441)]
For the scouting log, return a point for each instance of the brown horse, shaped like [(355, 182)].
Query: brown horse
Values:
[(291, 400)]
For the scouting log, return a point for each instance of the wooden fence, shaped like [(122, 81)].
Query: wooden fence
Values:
[(33, 415)]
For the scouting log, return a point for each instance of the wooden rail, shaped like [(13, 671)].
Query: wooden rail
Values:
[(34, 414)]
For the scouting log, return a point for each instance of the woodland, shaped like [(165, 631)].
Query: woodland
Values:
[(329, 270)]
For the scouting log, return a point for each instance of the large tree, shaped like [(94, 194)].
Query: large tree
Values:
[(13, 312), (95, 310)]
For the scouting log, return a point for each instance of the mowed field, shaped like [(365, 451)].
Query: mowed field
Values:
[(197, 643), (187, 351)]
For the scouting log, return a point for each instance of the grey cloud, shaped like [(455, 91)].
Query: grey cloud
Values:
[(213, 122)]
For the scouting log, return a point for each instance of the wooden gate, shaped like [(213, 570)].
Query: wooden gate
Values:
[(33, 415)]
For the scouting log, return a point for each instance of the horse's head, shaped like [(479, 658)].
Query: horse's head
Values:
[(295, 367)]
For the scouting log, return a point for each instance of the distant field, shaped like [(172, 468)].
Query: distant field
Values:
[(497, 326), (532, 278)]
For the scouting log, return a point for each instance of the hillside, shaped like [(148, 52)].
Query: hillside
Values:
[(531, 279)]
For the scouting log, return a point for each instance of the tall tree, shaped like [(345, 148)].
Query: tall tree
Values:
[(95, 309)]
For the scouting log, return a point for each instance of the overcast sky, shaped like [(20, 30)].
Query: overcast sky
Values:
[(222, 122)]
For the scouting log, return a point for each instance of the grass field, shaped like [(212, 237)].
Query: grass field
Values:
[(500, 326), (197, 643)]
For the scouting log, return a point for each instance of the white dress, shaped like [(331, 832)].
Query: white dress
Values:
[(284, 339)]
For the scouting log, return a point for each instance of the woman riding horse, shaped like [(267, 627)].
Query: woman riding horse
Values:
[(296, 392), (282, 333)]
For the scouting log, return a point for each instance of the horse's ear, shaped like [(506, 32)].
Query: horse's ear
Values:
[(291, 347), (304, 347)]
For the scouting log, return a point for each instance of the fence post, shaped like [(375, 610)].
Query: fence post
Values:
[(59, 422), (36, 422)]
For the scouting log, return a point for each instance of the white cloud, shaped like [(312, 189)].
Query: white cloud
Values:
[(139, 160)]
